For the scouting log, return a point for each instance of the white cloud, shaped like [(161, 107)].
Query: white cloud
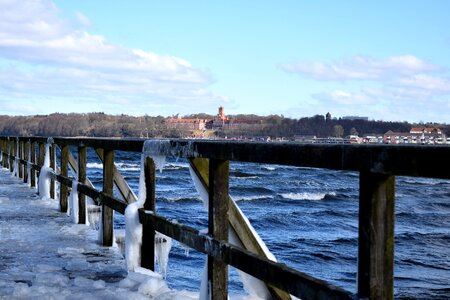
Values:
[(49, 58), (83, 19), (396, 87), (362, 68)]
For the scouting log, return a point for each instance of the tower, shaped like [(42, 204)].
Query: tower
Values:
[(221, 113)]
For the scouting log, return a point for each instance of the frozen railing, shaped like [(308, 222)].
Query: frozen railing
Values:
[(378, 165)]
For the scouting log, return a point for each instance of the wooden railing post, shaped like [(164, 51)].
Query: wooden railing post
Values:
[(41, 154), (108, 182), (82, 157), (148, 234), (218, 225), (33, 160), (376, 236), (20, 156), (25, 157), (12, 153), (53, 167), (64, 172)]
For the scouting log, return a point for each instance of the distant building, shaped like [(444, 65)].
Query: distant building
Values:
[(328, 117), (187, 124), (417, 135), (352, 118), (220, 121)]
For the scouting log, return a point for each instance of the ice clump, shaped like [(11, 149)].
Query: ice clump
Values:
[(44, 177), (73, 203)]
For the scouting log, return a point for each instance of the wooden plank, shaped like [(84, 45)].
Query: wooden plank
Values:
[(82, 159), (148, 233), (20, 156), (25, 156), (236, 220), (279, 275), (218, 225), (33, 161), (121, 184), (63, 191), (376, 236), (53, 167), (108, 183)]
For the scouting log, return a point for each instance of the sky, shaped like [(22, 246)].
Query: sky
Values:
[(386, 60)]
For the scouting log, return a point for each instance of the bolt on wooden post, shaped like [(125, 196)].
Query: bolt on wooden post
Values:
[(108, 182), (376, 236), (218, 225)]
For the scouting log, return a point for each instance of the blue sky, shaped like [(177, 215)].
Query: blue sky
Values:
[(388, 60)]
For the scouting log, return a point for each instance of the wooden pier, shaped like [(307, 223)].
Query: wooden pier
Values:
[(377, 164)]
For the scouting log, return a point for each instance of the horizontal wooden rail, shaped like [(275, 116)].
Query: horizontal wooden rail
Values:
[(279, 275), (406, 160)]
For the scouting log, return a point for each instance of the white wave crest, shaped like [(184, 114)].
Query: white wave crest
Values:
[(307, 196), (251, 198)]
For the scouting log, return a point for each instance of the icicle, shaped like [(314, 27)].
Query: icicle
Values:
[(73, 202), (93, 213), (205, 284), (133, 228), (163, 244)]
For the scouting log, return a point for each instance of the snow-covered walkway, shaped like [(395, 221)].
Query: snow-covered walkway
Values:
[(45, 256)]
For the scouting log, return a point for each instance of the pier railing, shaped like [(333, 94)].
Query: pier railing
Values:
[(377, 164)]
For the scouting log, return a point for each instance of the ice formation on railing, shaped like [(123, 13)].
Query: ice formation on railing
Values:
[(157, 151), (72, 210), (44, 177)]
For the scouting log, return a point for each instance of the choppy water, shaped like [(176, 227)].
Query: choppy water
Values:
[(308, 219)]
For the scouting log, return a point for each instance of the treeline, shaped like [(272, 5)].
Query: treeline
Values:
[(103, 125)]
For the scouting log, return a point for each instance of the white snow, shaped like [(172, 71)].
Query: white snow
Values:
[(46, 257)]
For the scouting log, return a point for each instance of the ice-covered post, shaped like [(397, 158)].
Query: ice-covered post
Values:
[(82, 156), (376, 236), (64, 172), (33, 160), (108, 181), (53, 167), (148, 234), (218, 225), (20, 156), (25, 157)]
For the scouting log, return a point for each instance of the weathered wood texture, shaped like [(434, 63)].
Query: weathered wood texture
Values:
[(148, 233), (63, 191), (25, 157), (20, 156), (33, 161), (295, 282), (82, 159), (53, 167), (376, 236), (108, 184), (218, 225), (237, 222), (123, 187)]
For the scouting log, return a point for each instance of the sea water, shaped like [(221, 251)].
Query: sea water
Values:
[(309, 220)]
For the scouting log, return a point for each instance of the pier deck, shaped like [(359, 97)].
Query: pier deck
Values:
[(44, 255)]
